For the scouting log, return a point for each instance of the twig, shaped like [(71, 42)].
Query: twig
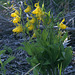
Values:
[(69, 72), (70, 20), (54, 2), (32, 69), (56, 27), (5, 7), (1, 17)]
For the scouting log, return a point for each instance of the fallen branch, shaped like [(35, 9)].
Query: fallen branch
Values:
[(69, 72), (1, 17), (32, 69), (56, 27)]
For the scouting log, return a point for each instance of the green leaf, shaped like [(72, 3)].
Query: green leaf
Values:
[(47, 63), (59, 15), (63, 54), (34, 61), (44, 34), (23, 48), (49, 13), (8, 60), (27, 47), (1, 62), (68, 57), (43, 7), (35, 72), (29, 59), (53, 52), (64, 37), (2, 51)]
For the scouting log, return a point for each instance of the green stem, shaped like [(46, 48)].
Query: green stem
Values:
[(60, 68)]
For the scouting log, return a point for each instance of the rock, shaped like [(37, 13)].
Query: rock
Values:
[(2, 60), (17, 43), (1, 41)]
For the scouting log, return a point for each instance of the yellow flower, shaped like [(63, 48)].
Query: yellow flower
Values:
[(36, 11), (62, 26), (28, 9), (18, 29), (13, 15), (31, 27), (34, 35), (16, 20), (16, 12), (32, 20)]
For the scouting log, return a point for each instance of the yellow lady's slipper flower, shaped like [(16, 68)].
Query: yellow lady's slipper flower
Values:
[(61, 25), (16, 20), (36, 11), (32, 20), (18, 29), (13, 15), (31, 27), (28, 9)]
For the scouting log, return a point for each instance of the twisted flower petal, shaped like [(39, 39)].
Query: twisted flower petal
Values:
[(28, 9)]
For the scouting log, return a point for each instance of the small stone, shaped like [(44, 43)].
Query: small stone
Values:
[(1, 41), (17, 43), (2, 60)]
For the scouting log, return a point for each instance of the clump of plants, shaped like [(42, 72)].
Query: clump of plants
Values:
[(45, 47)]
